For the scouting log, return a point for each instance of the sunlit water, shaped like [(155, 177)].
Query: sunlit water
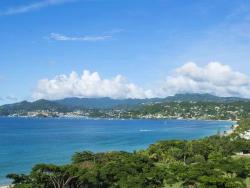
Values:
[(28, 141)]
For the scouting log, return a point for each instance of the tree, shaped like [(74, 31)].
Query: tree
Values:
[(52, 175), (19, 179)]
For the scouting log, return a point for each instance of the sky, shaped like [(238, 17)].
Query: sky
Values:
[(54, 49)]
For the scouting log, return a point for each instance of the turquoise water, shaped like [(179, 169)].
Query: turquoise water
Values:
[(26, 141)]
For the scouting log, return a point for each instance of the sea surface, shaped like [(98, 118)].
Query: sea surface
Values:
[(25, 142)]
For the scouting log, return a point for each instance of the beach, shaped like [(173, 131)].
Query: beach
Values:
[(231, 131)]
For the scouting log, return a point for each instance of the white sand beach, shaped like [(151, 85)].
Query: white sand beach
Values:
[(231, 131)]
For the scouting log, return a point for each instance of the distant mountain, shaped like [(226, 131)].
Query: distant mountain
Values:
[(25, 106), (107, 103), (70, 104), (196, 97), (104, 103)]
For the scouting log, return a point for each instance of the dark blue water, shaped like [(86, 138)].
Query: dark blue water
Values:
[(25, 142)]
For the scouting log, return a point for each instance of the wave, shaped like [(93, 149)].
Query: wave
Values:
[(146, 130)]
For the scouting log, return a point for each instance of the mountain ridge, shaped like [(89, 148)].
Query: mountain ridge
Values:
[(74, 103)]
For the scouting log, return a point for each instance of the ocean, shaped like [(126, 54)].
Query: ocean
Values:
[(25, 142)]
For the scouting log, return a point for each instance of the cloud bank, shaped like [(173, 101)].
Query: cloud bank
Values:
[(9, 98), (60, 37), (214, 78), (34, 6), (88, 85)]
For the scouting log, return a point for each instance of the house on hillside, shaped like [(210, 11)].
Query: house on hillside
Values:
[(244, 152)]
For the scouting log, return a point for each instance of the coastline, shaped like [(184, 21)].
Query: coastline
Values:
[(117, 118), (232, 130)]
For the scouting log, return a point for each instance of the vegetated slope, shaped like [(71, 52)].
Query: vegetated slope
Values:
[(103, 103), (25, 106), (71, 104)]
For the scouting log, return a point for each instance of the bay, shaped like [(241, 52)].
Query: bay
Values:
[(25, 142)]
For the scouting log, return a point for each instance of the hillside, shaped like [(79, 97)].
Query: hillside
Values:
[(103, 103), (39, 105), (196, 97), (127, 108)]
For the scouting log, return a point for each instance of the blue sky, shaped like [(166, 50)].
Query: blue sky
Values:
[(145, 41)]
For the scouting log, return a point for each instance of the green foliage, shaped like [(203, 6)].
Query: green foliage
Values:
[(19, 178), (80, 157), (198, 110), (244, 126)]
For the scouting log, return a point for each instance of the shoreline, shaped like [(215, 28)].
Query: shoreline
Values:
[(232, 130), (100, 118)]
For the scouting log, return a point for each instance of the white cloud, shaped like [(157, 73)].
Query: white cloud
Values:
[(11, 98), (214, 78), (88, 85), (60, 37), (8, 99), (34, 6)]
